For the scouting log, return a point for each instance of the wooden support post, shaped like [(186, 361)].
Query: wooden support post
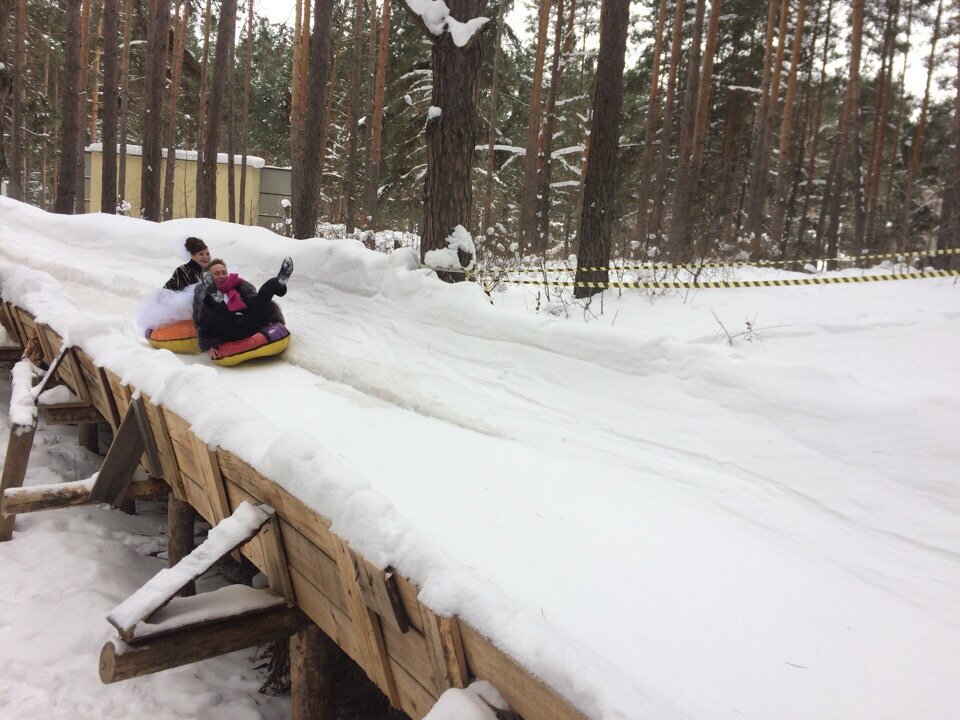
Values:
[(69, 413), (180, 517), (275, 558), (311, 675), (120, 463), (369, 634), (88, 436), (15, 469), (120, 661), (445, 647), (150, 445), (212, 481)]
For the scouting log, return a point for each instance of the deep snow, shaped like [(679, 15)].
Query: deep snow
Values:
[(660, 524)]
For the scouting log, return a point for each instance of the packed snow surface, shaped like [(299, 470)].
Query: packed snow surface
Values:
[(725, 504)]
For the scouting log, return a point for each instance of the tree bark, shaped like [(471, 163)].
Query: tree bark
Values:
[(231, 133), (16, 188), (183, 13), (893, 164), (158, 30), (376, 117), (352, 121), (124, 99), (245, 121), (597, 215), (305, 211), (528, 189), (69, 113), (207, 165), (487, 222), (79, 197), (906, 210), (949, 233), (111, 37)]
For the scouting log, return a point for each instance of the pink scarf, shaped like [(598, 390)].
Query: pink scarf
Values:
[(229, 287)]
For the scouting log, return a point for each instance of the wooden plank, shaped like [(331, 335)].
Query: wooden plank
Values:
[(143, 422), (15, 469), (113, 412), (380, 592), (375, 661), (197, 642), (445, 649), (211, 480), (70, 413), (275, 559), (168, 458), (17, 501), (10, 353), (9, 324), (49, 353), (119, 465), (527, 695)]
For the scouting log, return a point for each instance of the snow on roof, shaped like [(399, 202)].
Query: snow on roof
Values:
[(252, 160)]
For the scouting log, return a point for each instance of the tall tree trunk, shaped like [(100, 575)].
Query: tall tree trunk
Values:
[(880, 119), (231, 133), (528, 188), (352, 123), (906, 210), (786, 131), (179, 39), (328, 113), (894, 163), (760, 158), (207, 167), (158, 30), (301, 62), (16, 188), (245, 121), (804, 247), (95, 86), (656, 214), (203, 100), (371, 66), (833, 193), (597, 216), (305, 211), (124, 98), (487, 222), (108, 177), (948, 235), (69, 112), (452, 136), (650, 126), (561, 51), (79, 196), (376, 117)]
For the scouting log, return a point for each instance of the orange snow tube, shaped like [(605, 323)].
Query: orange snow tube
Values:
[(272, 339), (178, 337)]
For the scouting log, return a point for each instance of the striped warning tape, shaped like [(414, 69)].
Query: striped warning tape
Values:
[(694, 265), (710, 284)]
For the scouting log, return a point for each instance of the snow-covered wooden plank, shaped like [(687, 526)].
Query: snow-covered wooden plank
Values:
[(53, 496), (23, 403), (229, 534), (232, 601)]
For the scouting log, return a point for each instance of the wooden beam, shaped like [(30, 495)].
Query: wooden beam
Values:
[(180, 532), (275, 558), (120, 661), (376, 663), (114, 415), (70, 413), (311, 675), (10, 353), (380, 592), (168, 458), (121, 462), (88, 435), (15, 469), (150, 445), (212, 480), (446, 650), (17, 501)]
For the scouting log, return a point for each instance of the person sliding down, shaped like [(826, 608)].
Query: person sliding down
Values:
[(227, 308), (189, 273)]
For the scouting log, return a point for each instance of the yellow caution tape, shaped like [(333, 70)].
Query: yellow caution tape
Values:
[(694, 265), (710, 284)]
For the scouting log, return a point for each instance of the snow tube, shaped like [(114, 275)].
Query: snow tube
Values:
[(178, 337), (271, 340)]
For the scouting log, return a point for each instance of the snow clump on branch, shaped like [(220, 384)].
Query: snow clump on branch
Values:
[(454, 256), (437, 19)]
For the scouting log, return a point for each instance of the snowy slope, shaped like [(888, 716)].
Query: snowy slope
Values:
[(659, 524)]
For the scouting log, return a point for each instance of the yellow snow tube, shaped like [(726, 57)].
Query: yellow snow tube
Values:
[(271, 340), (178, 337)]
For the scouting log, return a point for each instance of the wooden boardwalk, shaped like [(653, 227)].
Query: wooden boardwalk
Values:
[(372, 613)]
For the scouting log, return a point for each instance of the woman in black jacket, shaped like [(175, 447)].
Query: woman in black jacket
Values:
[(189, 273), (226, 307)]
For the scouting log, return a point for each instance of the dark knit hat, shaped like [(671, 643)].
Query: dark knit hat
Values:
[(195, 245)]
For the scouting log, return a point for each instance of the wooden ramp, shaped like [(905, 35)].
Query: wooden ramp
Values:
[(374, 614)]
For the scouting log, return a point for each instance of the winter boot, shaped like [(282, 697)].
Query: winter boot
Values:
[(211, 288), (286, 270)]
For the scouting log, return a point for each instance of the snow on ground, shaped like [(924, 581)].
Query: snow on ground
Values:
[(62, 573), (659, 522)]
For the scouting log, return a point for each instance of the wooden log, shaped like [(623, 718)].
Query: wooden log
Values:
[(71, 494), (70, 413), (120, 463), (180, 530), (311, 675), (14, 470), (122, 661)]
